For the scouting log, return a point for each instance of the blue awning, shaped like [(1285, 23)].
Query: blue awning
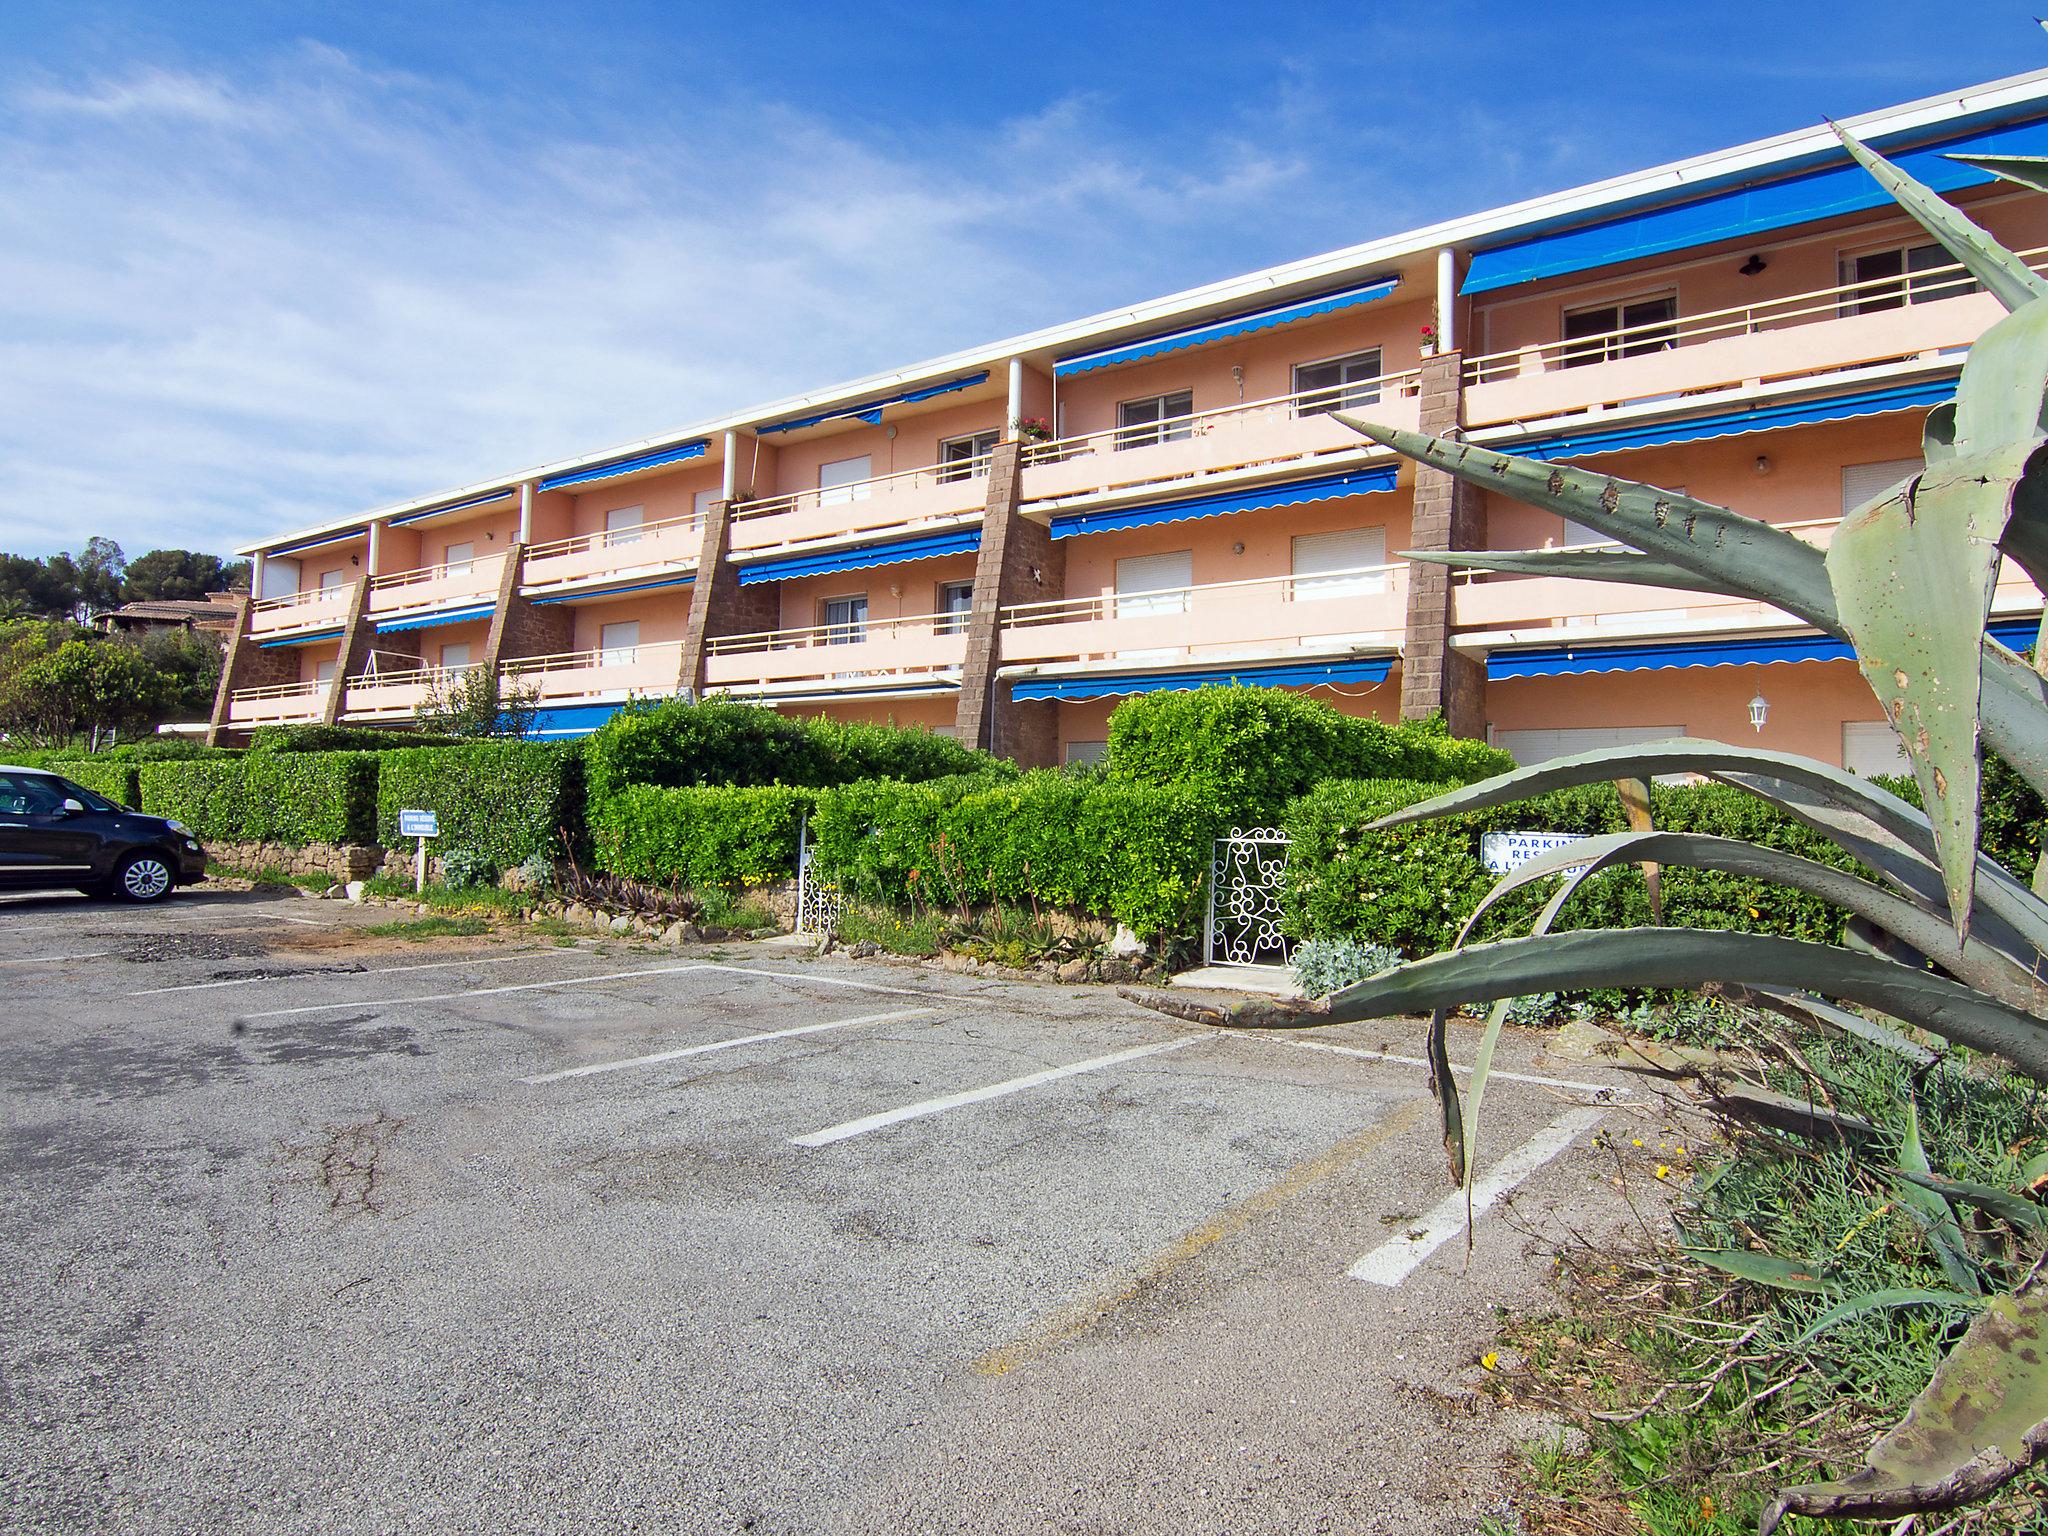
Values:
[(321, 542), (955, 541), (1575, 660), (871, 412), (1766, 418), (627, 466), (454, 506), (1221, 330), (593, 592), (1843, 187), (307, 637), (1357, 482), (571, 720), (434, 620), (1285, 674)]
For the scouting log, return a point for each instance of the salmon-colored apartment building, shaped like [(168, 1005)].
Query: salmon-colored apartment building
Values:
[(1003, 543)]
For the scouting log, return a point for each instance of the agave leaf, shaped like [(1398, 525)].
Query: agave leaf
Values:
[(1944, 1233), (1582, 564), (2003, 274), (2002, 1203), (1676, 957), (1882, 1301), (1803, 1008), (1762, 1269), (2020, 170), (1978, 1424)]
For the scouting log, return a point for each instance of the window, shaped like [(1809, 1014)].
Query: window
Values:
[(1153, 584), (457, 559), (701, 502), (455, 657), (1155, 419), (1086, 751), (962, 458), (845, 480), (1341, 384), (956, 601), (1872, 747), (618, 644), (329, 580), (1645, 325), (1320, 558), (1863, 483), (846, 620), (323, 672), (1906, 274), (622, 525), (24, 794), (1527, 747)]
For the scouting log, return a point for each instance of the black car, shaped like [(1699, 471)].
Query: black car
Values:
[(55, 835)]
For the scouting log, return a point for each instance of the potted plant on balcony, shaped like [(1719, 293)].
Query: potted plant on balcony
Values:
[(1034, 429)]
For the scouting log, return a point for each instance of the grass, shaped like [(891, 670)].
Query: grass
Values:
[(445, 898), (270, 874), (920, 935), (436, 926)]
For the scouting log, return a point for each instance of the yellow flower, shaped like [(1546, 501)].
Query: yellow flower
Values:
[(1489, 1360), (1663, 1170), (1635, 1141)]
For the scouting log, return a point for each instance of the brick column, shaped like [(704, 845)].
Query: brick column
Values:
[(1448, 515), (357, 634), (1018, 563), (247, 665), (520, 627), (719, 605)]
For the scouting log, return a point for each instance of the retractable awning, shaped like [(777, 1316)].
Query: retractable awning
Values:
[(571, 720), (871, 412), (454, 506), (1843, 187), (1577, 660), (1223, 330), (1764, 418), (1285, 674), (304, 637), (321, 542), (627, 466), (433, 620), (1357, 482), (583, 594), (954, 541)]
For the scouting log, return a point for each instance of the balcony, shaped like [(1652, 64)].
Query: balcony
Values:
[(318, 608), (1287, 429), (919, 652), (279, 704), (1271, 615), (456, 583), (395, 695), (669, 546), (906, 499), (642, 670), (1828, 331)]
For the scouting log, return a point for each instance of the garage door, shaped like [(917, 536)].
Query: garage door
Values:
[(1527, 747)]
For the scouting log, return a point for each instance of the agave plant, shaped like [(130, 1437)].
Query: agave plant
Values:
[(1942, 939)]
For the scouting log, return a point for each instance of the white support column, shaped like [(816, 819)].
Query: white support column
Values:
[(729, 485), (373, 561), (256, 575), (525, 512), (1016, 397), (1446, 300)]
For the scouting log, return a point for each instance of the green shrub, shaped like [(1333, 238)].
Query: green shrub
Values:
[(343, 738), (1322, 966), (499, 801), (462, 868), (328, 797), (116, 780), (1251, 750), (702, 835)]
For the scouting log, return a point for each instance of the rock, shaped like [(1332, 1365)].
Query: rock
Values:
[(576, 912), (1116, 968), (353, 891), (673, 935), (691, 933), (621, 924), (1073, 971), (866, 949), (334, 892), (763, 933), (953, 960), (1127, 944), (601, 921), (423, 909)]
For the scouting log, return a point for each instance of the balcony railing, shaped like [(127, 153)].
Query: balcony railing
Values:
[(397, 693), (277, 701), (1364, 604), (1282, 429), (1799, 335), (901, 499), (314, 608), (853, 654), (674, 543), (437, 586), (613, 670)]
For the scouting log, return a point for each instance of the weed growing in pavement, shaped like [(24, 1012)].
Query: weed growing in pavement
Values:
[(442, 898), (434, 927), (918, 934)]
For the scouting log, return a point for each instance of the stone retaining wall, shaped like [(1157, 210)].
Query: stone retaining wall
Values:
[(339, 862)]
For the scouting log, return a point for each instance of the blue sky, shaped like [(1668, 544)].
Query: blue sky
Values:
[(266, 263)]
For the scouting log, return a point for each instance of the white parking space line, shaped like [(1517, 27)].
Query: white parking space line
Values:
[(307, 922), (823, 981), (384, 970), (91, 954), (1617, 1089), (1399, 1257), (443, 997), (725, 1045), (861, 1127)]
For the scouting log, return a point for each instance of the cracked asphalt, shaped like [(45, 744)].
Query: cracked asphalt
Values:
[(307, 1230)]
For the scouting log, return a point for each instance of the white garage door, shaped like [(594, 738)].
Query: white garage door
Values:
[(1527, 747), (1872, 746)]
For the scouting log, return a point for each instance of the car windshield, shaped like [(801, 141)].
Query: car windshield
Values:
[(85, 797)]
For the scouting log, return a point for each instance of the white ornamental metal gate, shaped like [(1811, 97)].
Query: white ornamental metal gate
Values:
[(1246, 877), (818, 902)]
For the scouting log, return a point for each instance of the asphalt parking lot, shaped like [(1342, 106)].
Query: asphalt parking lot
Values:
[(311, 1230)]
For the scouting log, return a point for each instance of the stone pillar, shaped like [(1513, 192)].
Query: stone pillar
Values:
[(520, 627), (1448, 515), (246, 665), (357, 636), (1018, 563), (719, 605)]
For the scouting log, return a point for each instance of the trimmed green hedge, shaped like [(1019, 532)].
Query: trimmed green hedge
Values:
[(700, 835), (116, 780), (1252, 750), (344, 738), (500, 800), (328, 797)]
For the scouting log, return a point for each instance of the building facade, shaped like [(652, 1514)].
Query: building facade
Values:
[(1003, 543)]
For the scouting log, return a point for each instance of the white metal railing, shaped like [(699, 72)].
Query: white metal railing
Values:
[(1868, 296), (300, 599), (281, 691), (411, 676), (476, 565), (864, 490), (1173, 429), (846, 632), (613, 538), (1466, 577), (602, 656), (1356, 581)]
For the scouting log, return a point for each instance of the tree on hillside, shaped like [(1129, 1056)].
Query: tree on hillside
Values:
[(61, 686), (165, 574), (30, 589), (68, 586)]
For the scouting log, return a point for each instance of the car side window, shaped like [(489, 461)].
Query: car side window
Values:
[(21, 795)]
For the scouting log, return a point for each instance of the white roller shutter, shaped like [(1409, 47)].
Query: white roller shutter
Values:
[(1318, 555), (1527, 747), (1867, 482), (1149, 584), (1871, 747)]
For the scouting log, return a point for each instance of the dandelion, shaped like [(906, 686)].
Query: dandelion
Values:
[(1663, 1170), (1489, 1361)]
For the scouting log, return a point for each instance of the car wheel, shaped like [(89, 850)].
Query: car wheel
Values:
[(143, 877)]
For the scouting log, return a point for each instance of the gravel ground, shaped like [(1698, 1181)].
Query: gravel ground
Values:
[(293, 1245)]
